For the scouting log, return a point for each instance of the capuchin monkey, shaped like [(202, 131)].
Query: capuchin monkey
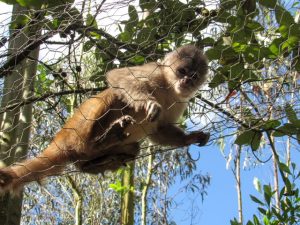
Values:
[(104, 133)]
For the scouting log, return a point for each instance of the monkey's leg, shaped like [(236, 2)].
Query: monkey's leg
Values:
[(115, 158), (174, 136)]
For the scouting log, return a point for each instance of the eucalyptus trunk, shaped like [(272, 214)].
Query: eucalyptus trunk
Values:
[(127, 206), (15, 124)]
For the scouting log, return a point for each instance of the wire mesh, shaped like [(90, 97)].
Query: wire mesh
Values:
[(55, 57)]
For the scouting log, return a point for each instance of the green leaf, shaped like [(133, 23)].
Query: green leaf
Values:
[(227, 4), (286, 129), (255, 26), (256, 200), (97, 77), (290, 113), (271, 124), (284, 168), (239, 47), (118, 187), (236, 71), (217, 80), (228, 56), (208, 41), (125, 36), (266, 53), (137, 60), (243, 138), (147, 4), (266, 220), (267, 194), (234, 222), (91, 21), (290, 43), (10, 2), (256, 221), (288, 185), (284, 30), (225, 17), (87, 46), (146, 34), (268, 3), (275, 46), (133, 13), (294, 30), (31, 3), (248, 76), (20, 21), (262, 210), (249, 137), (255, 142), (214, 53), (283, 16)]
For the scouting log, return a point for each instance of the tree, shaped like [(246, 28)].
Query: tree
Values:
[(251, 102), (16, 123)]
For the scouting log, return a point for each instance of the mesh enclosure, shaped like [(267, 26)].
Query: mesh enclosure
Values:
[(55, 56)]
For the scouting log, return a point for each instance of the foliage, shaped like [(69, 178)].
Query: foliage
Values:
[(253, 48), (289, 211)]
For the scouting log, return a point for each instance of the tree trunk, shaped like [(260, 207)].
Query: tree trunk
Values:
[(127, 205), (15, 124), (238, 183), (147, 186)]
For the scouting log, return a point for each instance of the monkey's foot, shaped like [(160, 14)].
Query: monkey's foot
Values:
[(116, 131), (118, 127), (198, 137), (124, 121), (153, 110), (5, 181)]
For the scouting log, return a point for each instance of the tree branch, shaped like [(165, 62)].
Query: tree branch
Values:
[(223, 111)]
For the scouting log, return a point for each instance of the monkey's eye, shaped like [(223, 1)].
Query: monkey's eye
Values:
[(182, 71)]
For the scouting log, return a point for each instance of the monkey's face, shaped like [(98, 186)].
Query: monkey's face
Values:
[(189, 69)]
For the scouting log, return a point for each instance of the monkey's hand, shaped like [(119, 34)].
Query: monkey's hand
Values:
[(153, 110), (197, 137)]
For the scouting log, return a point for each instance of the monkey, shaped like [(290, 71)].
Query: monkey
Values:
[(105, 131)]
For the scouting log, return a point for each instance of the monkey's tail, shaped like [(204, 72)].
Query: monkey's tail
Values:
[(50, 162)]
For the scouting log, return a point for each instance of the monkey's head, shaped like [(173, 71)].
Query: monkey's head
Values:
[(185, 70)]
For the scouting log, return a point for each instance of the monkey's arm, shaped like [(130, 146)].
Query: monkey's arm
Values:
[(174, 136), (137, 85)]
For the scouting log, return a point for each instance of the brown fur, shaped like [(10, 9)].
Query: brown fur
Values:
[(143, 101)]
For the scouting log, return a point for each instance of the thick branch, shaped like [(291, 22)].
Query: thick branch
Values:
[(223, 111), (7, 68), (45, 96)]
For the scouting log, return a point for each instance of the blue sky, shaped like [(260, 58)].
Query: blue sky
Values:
[(220, 205)]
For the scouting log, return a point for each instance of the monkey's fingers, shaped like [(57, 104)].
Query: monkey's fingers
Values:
[(198, 137), (153, 110), (205, 139)]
